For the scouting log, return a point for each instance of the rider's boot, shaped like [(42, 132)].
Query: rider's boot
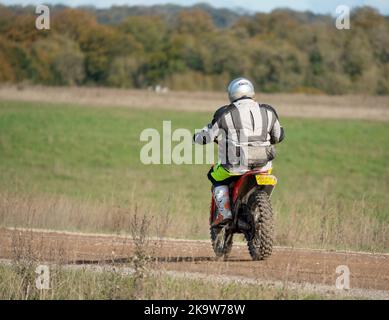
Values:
[(222, 201)]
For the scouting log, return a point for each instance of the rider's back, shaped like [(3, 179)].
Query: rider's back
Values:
[(244, 123)]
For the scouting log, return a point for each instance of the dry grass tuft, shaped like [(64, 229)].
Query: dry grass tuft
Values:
[(325, 223)]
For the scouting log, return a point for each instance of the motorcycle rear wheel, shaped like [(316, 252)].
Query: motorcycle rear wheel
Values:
[(260, 244)]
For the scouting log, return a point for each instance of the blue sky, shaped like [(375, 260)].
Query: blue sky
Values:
[(317, 6)]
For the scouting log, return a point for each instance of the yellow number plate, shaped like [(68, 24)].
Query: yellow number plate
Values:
[(266, 180)]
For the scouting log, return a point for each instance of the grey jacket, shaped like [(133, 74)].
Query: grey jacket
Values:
[(242, 123)]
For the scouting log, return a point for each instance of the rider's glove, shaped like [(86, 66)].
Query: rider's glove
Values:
[(203, 136)]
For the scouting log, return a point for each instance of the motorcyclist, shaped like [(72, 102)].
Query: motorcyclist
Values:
[(245, 131)]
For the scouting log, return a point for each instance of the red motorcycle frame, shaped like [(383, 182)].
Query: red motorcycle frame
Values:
[(239, 189), (252, 215)]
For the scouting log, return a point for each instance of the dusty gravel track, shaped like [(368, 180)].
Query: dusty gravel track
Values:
[(368, 271)]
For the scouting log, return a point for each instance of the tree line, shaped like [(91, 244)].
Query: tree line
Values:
[(282, 51)]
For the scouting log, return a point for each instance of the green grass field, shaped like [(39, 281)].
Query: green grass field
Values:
[(65, 163)]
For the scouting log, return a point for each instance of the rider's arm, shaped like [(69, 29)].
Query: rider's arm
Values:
[(277, 133), (210, 132)]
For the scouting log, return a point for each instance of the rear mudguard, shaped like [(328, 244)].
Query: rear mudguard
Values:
[(247, 183)]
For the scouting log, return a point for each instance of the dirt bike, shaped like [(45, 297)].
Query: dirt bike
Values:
[(252, 215)]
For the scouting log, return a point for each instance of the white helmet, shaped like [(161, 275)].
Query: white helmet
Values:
[(239, 88)]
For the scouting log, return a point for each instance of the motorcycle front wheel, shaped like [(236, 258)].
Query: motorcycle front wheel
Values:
[(221, 241)]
